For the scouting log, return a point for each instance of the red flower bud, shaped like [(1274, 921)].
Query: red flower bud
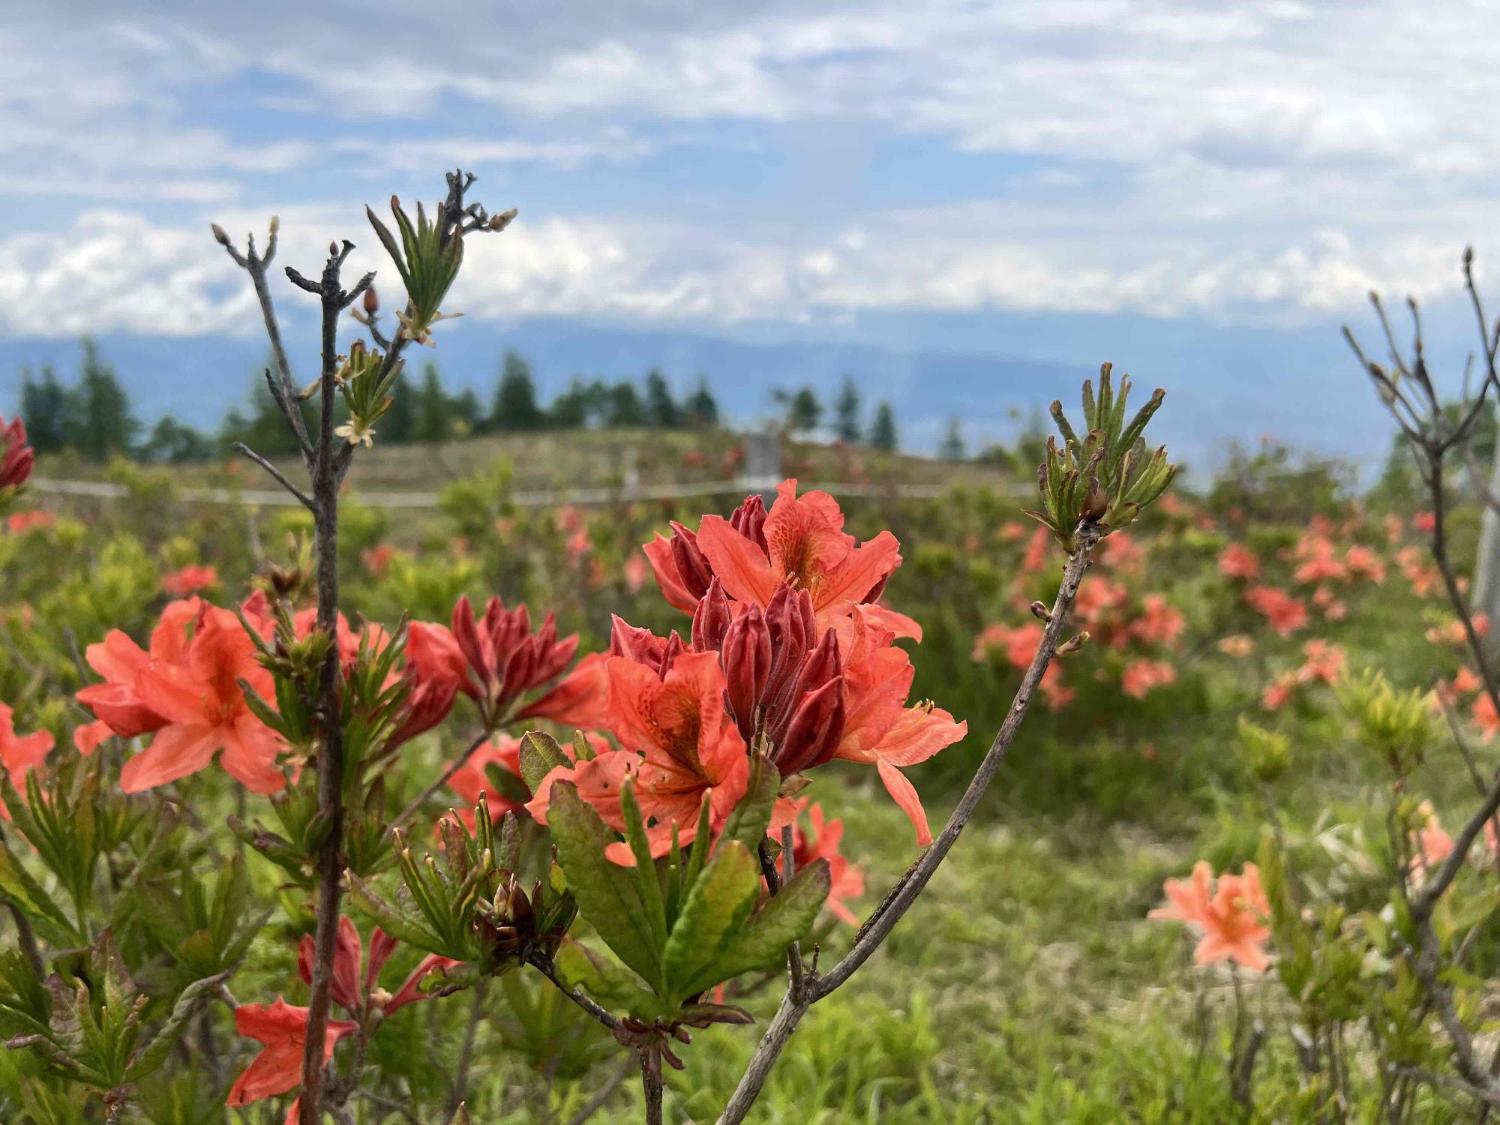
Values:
[(16, 457), (817, 669), (746, 660), (691, 565), (813, 734), (711, 619), (749, 519)]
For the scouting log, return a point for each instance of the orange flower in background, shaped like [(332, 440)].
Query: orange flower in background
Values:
[(1430, 844), (1098, 600), (1484, 715), (186, 689), (637, 570), (1038, 548), (205, 713), (1141, 677), (189, 580), (1365, 563), (1019, 643), (822, 842), (1284, 613), (1159, 623), (1423, 576), (1329, 605), (1120, 551), (1318, 561), (22, 522), (20, 753), (377, 559), (1230, 915), (1424, 522), (1453, 633), (473, 778), (1237, 645), (282, 1028), (1238, 561), (1324, 662), (1279, 691)]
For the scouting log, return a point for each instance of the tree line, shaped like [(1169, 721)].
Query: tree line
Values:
[(92, 416)]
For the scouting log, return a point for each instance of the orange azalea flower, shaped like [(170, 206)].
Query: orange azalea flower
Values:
[(205, 712), (1097, 600), (1484, 716), (1319, 561), (1019, 643), (1237, 645), (1430, 843), (1284, 613), (1278, 691), (187, 690), (1423, 577), (377, 559), (1231, 916), (1465, 682), (679, 746), (823, 843), (1238, 561), (1330, 606), (189, 580), (1038, 548), (1141, 677), (505, 660), (282, 1027), (1159, 622), (802, 544), (20, 753), (1364, 562), (881, 730), (1424, 522), (1324, 662), (22, 522), (1120, 551)]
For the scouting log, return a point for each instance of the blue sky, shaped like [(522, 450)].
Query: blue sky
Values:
[(1020, 179)]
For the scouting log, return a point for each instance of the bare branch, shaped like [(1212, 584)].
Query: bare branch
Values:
[(303, 498)]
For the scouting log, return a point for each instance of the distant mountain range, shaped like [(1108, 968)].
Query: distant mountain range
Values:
[(1224, 384)]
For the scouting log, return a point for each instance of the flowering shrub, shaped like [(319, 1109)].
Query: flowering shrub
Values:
[(235, 799)]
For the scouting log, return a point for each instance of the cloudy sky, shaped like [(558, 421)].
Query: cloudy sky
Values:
[(812, 170)]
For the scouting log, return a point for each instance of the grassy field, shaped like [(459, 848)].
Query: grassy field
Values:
[(1027, 985)]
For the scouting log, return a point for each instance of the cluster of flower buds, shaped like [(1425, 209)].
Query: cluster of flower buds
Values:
[(514, 926), (16, 457), (497, 660), (359, 992), (785, 683)]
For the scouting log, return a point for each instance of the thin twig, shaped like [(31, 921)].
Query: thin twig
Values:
[(423, 797), (303, 498), (607, 1091)]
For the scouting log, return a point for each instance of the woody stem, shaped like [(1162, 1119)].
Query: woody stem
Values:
[(330, 760)]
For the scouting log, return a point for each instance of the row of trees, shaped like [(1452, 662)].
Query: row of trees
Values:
[(93, 415)]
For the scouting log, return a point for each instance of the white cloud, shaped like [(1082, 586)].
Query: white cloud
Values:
[(1266, 159)]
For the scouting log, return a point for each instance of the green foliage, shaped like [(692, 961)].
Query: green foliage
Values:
[(1106, 477)]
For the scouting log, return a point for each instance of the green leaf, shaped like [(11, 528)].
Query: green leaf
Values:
[(612, 985), (540, 755), (606, 893), (149, 1057), (717, 906), (763, 940)]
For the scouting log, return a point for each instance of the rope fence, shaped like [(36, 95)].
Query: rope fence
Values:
[(585, 497)]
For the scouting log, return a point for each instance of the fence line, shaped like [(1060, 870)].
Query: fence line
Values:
[(259, 497)]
